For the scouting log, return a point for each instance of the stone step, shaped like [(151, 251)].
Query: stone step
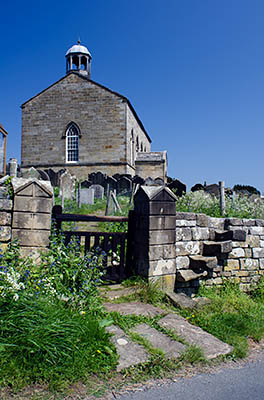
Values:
[(135, 308), (202, 262), (216, 248), (186, 275), (159, 340), (210, 345), (130, 353), (237, 235)]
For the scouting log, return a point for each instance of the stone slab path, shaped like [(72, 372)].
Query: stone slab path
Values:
[(159, 340), (131, 353), (210, 345)]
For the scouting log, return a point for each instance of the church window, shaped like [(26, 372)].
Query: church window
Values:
[(72, 143), (141, 147)]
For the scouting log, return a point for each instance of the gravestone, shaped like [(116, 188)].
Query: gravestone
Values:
[(31, 173), (178, 187), (67, 185), (124, 185), (43, 175), (86, 196), (85, 184), (98, 191), (54, 176), (138, 180), (150, 182), (159, 181), (112, 182), (97, 178)]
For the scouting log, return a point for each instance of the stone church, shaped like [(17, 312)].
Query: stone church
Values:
[(83, 126)]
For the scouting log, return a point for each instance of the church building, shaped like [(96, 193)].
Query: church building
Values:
[(83, 126)]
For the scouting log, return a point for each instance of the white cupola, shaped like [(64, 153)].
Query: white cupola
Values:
[(78, 58)]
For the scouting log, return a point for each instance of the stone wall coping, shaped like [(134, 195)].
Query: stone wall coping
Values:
[(153, 191), (21, 183)]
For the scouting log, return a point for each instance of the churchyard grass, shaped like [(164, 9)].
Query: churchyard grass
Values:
[(239, 207)]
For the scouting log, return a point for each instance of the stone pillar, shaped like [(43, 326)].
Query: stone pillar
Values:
[(31, 221), (154, 219), (6, 206)]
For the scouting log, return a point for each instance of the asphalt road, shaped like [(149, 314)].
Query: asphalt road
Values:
[(245, 383)]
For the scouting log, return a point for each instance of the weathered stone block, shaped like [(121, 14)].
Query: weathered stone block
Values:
[(158, 252), (5, 218), (33, 205), (261, 263), (233, 221), (178, 234), (32, 252), (31, 221), (5, 233), (240, 244), (253, 241), (242, 273), (237, 253), (249, 222), (248, 253), (256, 230), (164, 282), (162, 237), (249, 263), (185, 233), (31, 238), (187, 248), (231, 265), (217, 223), (159, 223), (202, 220), (259, 222), (182, 262), (6, 205), (200, 233), (182, 222), (258, 252), (162, 267), (185, 216), (162, 208)]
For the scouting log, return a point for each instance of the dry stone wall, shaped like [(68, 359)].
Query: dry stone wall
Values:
[(210, 249)]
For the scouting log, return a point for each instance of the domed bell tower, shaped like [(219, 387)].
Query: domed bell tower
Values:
[(78, 59)]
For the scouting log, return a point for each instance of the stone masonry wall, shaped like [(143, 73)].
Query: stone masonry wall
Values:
[(211, 249)]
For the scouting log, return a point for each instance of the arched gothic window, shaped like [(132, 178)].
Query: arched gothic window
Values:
[(72, 143), (137, 145)]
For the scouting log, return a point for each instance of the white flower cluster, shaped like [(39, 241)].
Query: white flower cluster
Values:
[(10, 283)]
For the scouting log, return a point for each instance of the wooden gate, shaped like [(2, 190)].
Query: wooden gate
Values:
[(114, 244)]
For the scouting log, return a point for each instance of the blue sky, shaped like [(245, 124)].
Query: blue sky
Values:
[(193, 70)]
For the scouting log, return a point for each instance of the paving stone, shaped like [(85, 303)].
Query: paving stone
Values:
[(135, 308), (171, 348), (130, 353), (211, 346), (181, 300), (116, 294)]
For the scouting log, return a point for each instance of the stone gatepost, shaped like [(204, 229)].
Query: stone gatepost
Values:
[(31, 220), (154, 219)]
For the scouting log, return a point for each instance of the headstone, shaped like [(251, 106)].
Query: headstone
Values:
[(97, 178), (13, 167), (43, 175), (86, 196), (112, 182), (98, 191), (67, 185), (177, 187), (124, 185), (31, 173), (150, 182), (85, 184), (138, 180), (54, 176), (159, 181)]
